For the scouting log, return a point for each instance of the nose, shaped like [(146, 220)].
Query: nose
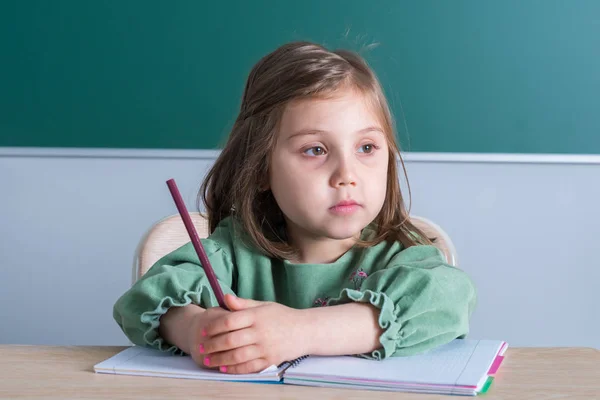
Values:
[(343, 174)]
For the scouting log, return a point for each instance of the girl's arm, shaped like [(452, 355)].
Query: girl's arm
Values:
[(343, 329), (421, 302), (175, 325), (174, 285)]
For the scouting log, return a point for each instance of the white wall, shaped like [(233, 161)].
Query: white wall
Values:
[(70, 220)]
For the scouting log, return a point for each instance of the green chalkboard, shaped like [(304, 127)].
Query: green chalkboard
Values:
[(511, 76)]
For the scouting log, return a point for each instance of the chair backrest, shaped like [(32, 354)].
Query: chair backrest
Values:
[(163, 237), (442, 239), (169, 233)]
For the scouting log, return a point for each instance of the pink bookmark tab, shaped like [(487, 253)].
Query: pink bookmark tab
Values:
[(495, 365)]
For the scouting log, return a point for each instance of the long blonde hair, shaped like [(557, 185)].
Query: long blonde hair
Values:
[(294, 71)]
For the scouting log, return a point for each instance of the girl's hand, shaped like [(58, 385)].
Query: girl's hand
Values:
[(197, 332), (253, 336)]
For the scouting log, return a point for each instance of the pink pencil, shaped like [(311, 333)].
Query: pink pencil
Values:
[(189, 226)]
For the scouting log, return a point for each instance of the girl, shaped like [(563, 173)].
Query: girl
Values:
[(310, 238)]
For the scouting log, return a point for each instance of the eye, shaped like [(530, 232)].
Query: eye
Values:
[(367, 148), (315, 151)]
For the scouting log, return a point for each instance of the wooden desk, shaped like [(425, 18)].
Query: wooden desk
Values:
[(67, 373)]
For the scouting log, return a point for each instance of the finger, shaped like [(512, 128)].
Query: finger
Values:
[(227, 323), (198, 334), (228, 341), (236, 356), (230, 302), (237, 303), (211, 314), (249, 367), (197, 344), (200, 360)]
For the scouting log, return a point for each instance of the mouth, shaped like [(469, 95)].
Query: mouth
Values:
[(345, 207)]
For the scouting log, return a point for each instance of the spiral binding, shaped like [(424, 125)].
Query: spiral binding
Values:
[(297, 361)]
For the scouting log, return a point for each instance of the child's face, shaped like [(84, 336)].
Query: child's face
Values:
[(329, 151)]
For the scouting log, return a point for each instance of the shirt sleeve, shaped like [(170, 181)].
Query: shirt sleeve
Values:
[(423, 302), (175, 280)]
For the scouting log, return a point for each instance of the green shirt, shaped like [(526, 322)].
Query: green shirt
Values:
[(424, 302)]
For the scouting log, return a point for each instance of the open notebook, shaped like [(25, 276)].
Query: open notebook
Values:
[(461, 367)]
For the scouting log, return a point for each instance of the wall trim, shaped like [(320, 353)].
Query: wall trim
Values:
[(63, 152)]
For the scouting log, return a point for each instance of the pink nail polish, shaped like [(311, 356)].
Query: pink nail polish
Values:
[(201, 348), (203, 332), (223, 369), (206, 361)]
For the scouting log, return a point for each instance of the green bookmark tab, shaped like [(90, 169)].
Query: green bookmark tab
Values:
[(487, 384)]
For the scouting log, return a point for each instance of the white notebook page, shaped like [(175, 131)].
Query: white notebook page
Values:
[(149, 362), (460, 362)]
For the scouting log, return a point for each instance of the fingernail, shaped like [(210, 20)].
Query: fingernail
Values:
[(203, 332), (223, 369), (201, 348), (206, 361)]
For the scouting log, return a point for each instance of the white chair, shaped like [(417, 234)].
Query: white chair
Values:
[(163, 237), (169, 234), (442, 239)]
